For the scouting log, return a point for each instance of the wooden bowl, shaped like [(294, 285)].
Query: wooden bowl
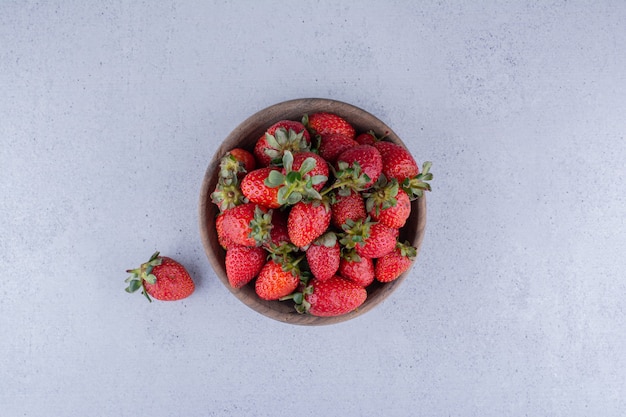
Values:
[(245, 136)]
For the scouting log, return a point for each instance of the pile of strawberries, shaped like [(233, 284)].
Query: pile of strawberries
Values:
[(313, 213)]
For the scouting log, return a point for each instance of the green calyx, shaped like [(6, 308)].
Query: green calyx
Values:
[(348, 178), (355, 233), (406, 250), (416, 186), (301, 305), (284, 140), (382, 196), (261, 226), (230, 167), (143, 274), (297, 185), (227, 194), (282, 252)]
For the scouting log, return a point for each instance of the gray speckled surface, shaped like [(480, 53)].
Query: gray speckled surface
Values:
[(110, 112)]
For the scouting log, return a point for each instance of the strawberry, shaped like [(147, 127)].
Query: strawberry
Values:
[(398, 163), (388, 203), (302, 176), (277, 280), (334, 144), (227, 194), (247, 224), (281, 136), (323, 256), (366, 138), (256, 191), (243, 263), (236, 163), (368, 159), (369, 239), (320, 167), (390, 266), (223, 240), (307, 221), (162, 278), (324, 123), (346, 207), (357, 269), (278, 233), (332, 297)]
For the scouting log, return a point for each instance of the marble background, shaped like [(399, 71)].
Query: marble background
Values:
[(111, 110)]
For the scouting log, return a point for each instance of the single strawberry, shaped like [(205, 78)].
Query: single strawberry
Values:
[(279, 233), (307, 221), (227, 194), (247, 224), (397, 161), (357, 269), (323, 256), (381, 241), (344, 207), (236, 163), (243, 263), (302, 176), (390, 266), (281, 136), (333, 297), (388, 203), (367, 138), (369, 239), (415, 186), (324, 123), (162, 278), (319, 169), (277, 280), (254, 188), (222, 239), (331, 146), (368, 159)]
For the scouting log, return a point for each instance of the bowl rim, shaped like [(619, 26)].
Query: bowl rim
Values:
[(208, 236)]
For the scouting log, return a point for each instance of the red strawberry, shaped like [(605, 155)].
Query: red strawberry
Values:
[(346, 207), (324, 123), (243, 263), (388, 203), (323, 256), (367, 138), (236, 163), (162, 278), (247, 224), (333, 145), (276, 281), (398, 162), (320, 168), (368, 159), (279, 233), (357, 269), (381, 241), (395, 263), (281, 136), (256, 191), (224, 241), (333, 297), (307, 221), (227, 194), (302, 176), (371, 240)]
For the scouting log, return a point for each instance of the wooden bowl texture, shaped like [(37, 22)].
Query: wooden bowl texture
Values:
[(245, 136)]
